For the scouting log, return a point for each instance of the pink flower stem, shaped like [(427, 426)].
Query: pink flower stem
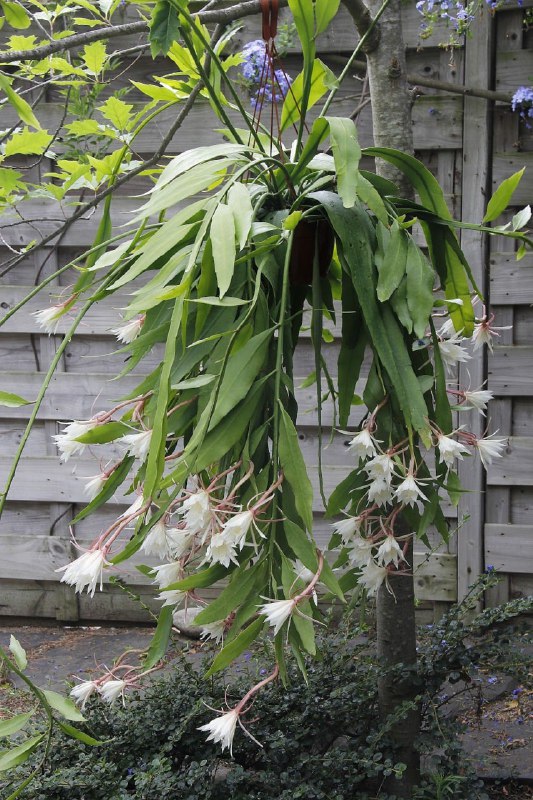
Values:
[(242, 703)]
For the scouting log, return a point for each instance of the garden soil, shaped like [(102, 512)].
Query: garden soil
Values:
[(499, 733)]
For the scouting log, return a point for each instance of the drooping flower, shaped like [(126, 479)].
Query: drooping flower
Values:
[(485, 332), (389, 552), (130, 330), (222, 729), (94, 485), (347, 528), (380, 492), (221, 551), (172, 597), (112, 689), (179, 541), (363, 445), (490, 448), (380, 468), (48, 318), (66, 441), (85, 571), (138, 444), (277, 612), (82, 691), (157, 542), (452, 353), (449, 449), (372, 576), (165, 574), (197, 511), (478, 399), (236, 528), (360, 551), (409, 492), (214, 630)]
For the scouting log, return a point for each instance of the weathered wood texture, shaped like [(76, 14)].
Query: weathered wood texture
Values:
[(449, 138)]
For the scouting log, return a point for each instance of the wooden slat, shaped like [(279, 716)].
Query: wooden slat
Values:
[(511, 68), (510, 372), (515, 467), (511, 281), (509, 548)]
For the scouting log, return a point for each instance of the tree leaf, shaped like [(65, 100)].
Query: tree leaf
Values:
[(14, 724), (19, 654), (117, 112), (20, 105), (17, 755), (294, 469), (232, 650), (223, 241), (159, 643), (502, 196), (164, 28), (346, 154), (13, 400), (63, 705), (94, 57), (15, 15), (75, 733), (27, 142)]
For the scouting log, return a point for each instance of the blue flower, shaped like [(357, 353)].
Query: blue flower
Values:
[(523, 101)]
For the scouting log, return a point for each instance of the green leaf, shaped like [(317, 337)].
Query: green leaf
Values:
[(108, 489), (325, 11), (10, 726), (28, 143), (238, 199), (63, 705), (305, 627), (102, 434), (303, 15), (294, 469), (319, 131), (94, 57), (392, 268), (16, 15), (232, 650), (13, 400), (346, 154), (194, 383), (201, 579), (327, 577), (300, 544), (244, 581), (419, 285), (223, 241), (159, 643), (117, 112), (20, 105), (352, 349), (221, 302), (321, 77), (75, 733), (164, 28), (521, 218), (17, 755), (454, 487), (369, 195), (19, 654), (502, 196)]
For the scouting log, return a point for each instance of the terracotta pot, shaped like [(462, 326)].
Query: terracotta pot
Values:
[(307, 234)]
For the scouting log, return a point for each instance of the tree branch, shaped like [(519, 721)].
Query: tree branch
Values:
[(363, 20), (218, 16)]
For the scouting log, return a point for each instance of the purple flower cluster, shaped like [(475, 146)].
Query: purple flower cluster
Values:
[(523, 102), (458, 14), (263, 85)]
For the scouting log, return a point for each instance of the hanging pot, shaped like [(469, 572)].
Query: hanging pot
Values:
[(310, 234)]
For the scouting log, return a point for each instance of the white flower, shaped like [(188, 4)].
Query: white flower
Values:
[(277, 612), (222, 729), (236, 528), (347, 528), (48, 318), (138, 444), (360, 551), (94, 485), (66, 441), (379, 492), (372, 576), (409, 492), (197, 511), (179, 541), (214, 630), (363, 445), (85, 571), (166, 574), (452, 353), (489, 448), (156, 542), (112, 689), (380, 468), (449, 449), (83, 691), (389, 552), (172, 597), (221, 551), (129, 331), (485, 331), (447, 329), (478, 399)]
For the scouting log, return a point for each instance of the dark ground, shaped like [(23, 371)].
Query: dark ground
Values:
[(499, 736)]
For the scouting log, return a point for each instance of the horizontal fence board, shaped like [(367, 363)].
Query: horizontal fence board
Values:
[(511, 281), (522, 419), (511, 68), (515, 467), (509, 548), (510, 372)]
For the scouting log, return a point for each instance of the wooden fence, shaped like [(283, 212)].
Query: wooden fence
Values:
[(467, 143)]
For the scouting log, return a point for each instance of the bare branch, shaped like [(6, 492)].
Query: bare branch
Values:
[(363, 19), (218, 16)]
